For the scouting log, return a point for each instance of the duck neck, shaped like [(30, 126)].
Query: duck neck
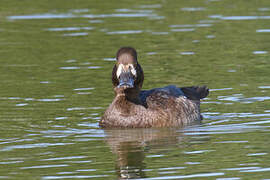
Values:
[(130, 95)]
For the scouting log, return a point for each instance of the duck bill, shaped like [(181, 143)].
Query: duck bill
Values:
[(126, 80)]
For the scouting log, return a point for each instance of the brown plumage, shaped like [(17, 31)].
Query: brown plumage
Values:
[(169, 106)]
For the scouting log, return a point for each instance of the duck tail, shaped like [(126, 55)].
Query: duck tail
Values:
[(203, 91), (196, 92)]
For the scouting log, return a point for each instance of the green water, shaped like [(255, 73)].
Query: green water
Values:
[(56, 60)]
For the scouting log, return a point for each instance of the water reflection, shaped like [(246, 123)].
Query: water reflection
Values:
[(130, 146)]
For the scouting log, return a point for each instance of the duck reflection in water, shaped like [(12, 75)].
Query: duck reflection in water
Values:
[(130, 146), (169, 106)]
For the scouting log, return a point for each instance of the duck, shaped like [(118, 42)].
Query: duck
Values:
[(132, 107)]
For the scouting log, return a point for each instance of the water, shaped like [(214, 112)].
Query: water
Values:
[(56, 60)]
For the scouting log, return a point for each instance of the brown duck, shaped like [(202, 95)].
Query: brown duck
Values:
[(169, 106)]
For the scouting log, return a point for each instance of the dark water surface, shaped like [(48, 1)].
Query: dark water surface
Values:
[(56, 60)]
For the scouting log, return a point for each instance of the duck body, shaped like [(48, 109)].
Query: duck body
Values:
[(132, 107)]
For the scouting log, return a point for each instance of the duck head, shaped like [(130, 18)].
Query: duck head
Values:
[(127, 73)]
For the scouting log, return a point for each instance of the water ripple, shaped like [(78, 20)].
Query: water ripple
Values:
[(263, 30), (221, 89), (257, 154), (183, 30), (186, 176), (257, 170), (76, 34), (151, 6), (29, 146), (21, 104), (160, 33), (133, 10), (109, 59), (70, 29), (193, 9), (83, 89), (197, 152), (64, 158), (221, 129), (119, 15), (45, 166), (171, 168), (139, 13), (49, 100), (74, 177), (260, 52), (125, 32), (79, 10), (264, 9), (189, 25), (264, 87), (11, 162), (42, 16), (187, 53), (239, 17), (240, 98)]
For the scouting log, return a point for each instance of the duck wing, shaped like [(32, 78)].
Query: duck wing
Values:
[(192, 92), (170, 90)]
